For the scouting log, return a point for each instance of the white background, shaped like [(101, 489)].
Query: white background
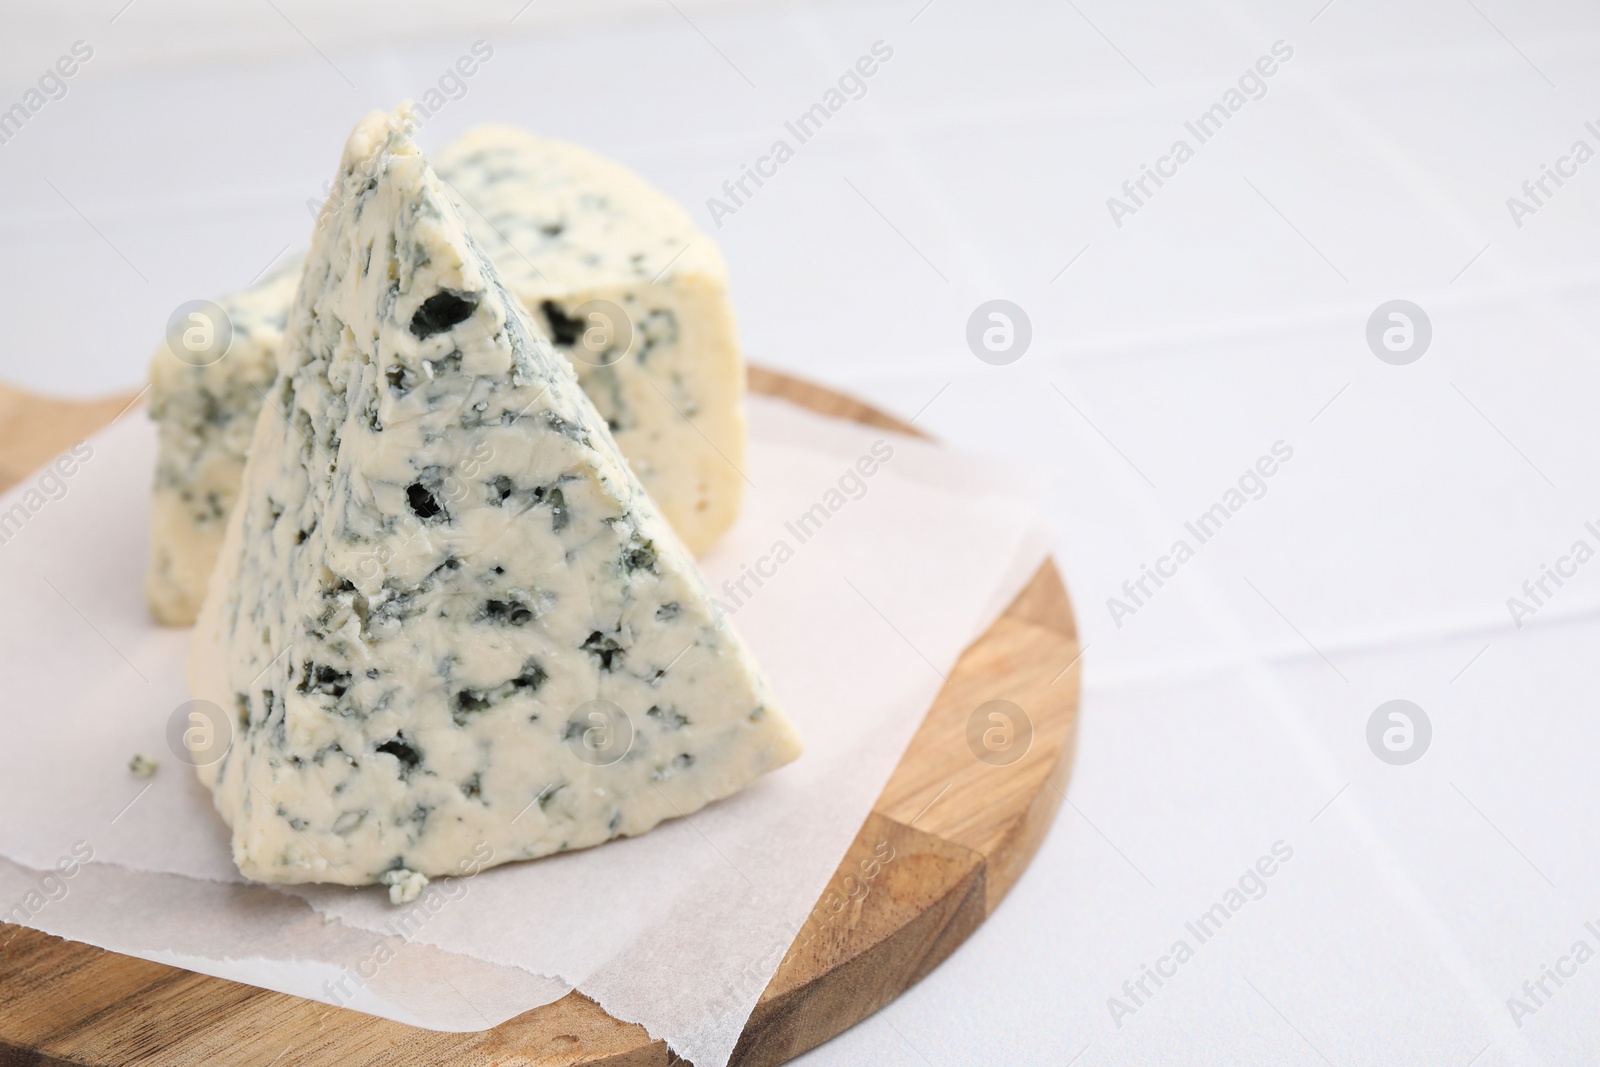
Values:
[(1228, 313)]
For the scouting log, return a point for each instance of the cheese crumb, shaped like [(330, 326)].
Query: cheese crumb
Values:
[(142, 766), (404, 885)]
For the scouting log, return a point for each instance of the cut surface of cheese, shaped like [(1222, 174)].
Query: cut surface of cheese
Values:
[(634, 295), (611, 270), (205, 411), (447, 622)]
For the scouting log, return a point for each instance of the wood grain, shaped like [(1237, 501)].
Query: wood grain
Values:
[(34, 430), (946, 840)]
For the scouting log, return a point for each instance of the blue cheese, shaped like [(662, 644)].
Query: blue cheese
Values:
[(609, 269), (446, 616), (204, 416), (625, 286)]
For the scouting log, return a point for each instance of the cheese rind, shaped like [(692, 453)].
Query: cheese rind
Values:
[(569, 231), (447, 617)]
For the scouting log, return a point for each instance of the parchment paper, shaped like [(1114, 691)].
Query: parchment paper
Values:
[(678, 930)]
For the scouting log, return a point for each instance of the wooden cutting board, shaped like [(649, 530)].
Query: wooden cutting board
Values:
[(960, 829)]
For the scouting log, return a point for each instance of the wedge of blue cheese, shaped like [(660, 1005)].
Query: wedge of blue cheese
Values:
[(446, 618), (611, 271), (204, 416), (624, 285)]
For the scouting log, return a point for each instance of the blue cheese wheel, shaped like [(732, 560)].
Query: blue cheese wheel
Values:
[(610, 270), (447, 620)]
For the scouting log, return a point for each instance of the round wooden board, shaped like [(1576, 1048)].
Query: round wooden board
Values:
[(961, 832)]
